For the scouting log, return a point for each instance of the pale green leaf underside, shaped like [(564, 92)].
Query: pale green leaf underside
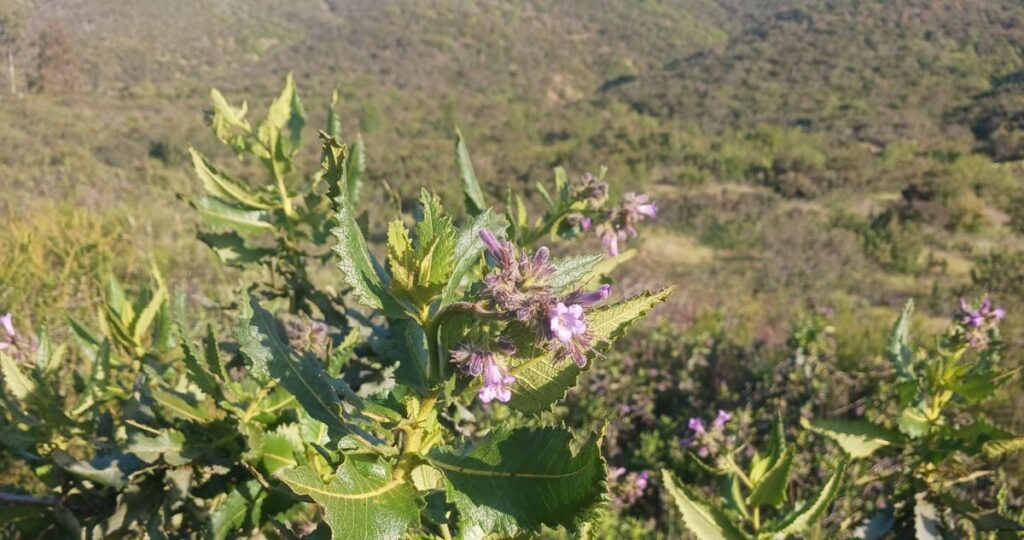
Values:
[(514, 482), (362, 501), (858, 438)]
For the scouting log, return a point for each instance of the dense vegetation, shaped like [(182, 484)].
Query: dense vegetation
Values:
[(815, 165)]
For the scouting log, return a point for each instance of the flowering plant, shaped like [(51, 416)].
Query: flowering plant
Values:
[(327, 417)]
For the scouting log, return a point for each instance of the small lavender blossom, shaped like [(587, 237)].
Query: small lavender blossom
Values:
[(567, 322), (622, 221), (642, 480), (518, 285), (978, 321), (496, 382), (609, 238), (721, 419), (591, 190), (477, 361), (696, 425), (7, 321), (19, 346)]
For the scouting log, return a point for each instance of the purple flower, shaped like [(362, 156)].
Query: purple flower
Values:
[(639, 205), (566, 322), (496, 382), (696, 424), (518, 284), (503, 251), (642, 480), (7, 321), (587, 299), (978, 321), (609, 239), (721, 419), (591, 190), (477, 361)]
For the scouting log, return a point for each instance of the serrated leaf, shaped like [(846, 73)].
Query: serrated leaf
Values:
[(280, 114), (771, 488), (995, 449), (20, 385), (703, 520), (229, 516), (277, 452), (514, 481), (111, 470), (540, 382), (899, 351), (178, 407), (148, 314), (218, 214), (196, 371), (474, 196), (354, 259), (799, 520), (168, 444), (858, 438), (360, 501), (435, 242), (468, 248), (219, 185), (570, 272), (261, 342)]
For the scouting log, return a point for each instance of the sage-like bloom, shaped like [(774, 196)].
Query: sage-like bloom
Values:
[(721, 419), (518, 286), (591, 190), (621, 222), (696, 425), (566, 329), (977, 322), (567, 322), (477, 361)]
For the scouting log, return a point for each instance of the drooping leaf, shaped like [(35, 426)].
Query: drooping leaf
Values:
[(703, 520), (168, 444), (271, 358), (218, 214), (858, 438), (219, 185), (914, 422), (514, 481), (20, 385), (540, 381), (111, 470), (995, 449), (805, 516), (474, 197), (177, 406), (361, 500)]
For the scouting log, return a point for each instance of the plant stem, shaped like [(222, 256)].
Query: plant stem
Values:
[(28, 499), (757, 518)]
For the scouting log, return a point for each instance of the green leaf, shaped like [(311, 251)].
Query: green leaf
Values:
[(218, 214), (197, 372), (218, 184), (141, 324), (475, 204), (514, 481), (232, 250), (995, 449), (260, 340), (111, 470), (333, 127), (177, 406), (361, 500), (805, 516), (570, 272), (914, 422), (286, 110), (354, 259), (858, 438), (168, 444), (20, 385), (703, 520), (355, 169), (771, 488), (540, 381), (468, 248), (900, 353), (435, 243), (229, 516)]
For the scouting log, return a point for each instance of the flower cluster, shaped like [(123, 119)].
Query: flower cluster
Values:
[(621, 223), (707, 441), (977, 322), (305, 334), (519, 289), (14, 344), (627, 487)]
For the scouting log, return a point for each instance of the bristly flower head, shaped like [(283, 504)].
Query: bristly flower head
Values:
[(621, 223), (566, 328), (478, 361), (518, 285), (591, 190), (977, 322)]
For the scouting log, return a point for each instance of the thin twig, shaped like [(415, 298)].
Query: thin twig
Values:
[(28, 499)]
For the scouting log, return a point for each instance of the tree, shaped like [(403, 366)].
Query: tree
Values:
[(12, 18), (55, 63)]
